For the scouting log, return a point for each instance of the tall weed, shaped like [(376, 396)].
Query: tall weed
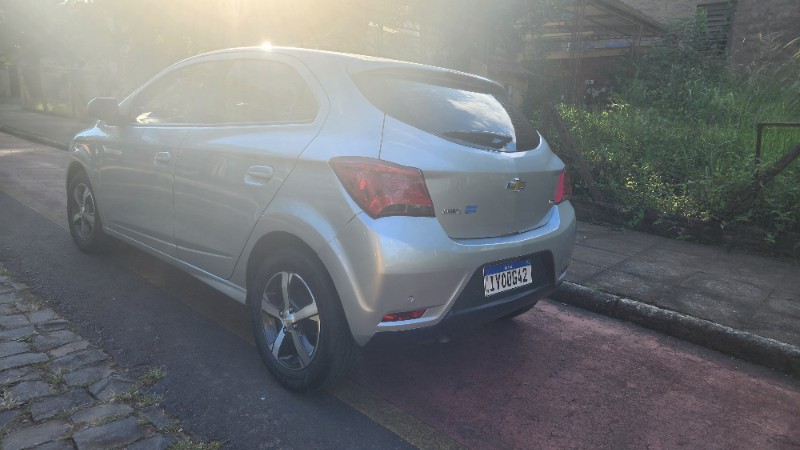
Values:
[(679, 137)]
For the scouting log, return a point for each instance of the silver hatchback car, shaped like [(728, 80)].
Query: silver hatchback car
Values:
[(339, 197)]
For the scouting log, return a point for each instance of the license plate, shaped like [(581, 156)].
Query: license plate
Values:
[(504, 277)]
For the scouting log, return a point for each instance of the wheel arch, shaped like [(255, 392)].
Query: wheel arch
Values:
[(276, 240), (81, 158), (271, 242), (74, 168), (338, 351)]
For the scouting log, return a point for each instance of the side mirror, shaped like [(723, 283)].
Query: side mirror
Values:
[(105, 109)]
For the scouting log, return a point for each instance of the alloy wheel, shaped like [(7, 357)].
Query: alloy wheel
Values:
[(83, 214), (290, 319)]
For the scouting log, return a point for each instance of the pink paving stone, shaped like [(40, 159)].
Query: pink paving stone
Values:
[(559, 377)]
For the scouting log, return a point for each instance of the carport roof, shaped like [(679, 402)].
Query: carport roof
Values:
[(599, 28)]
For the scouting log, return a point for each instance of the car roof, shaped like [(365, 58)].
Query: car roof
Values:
[(352, 63)]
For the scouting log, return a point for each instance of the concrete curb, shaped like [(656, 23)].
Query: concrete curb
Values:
[(33, 137), (747, 346)]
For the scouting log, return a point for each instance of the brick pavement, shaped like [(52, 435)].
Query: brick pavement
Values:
[(60, 391)]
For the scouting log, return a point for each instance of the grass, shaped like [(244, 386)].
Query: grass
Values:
[(56, 379), (195, 445), (645, 160), (28, 338), (8, 402), (172, 429), (35, 302), (679, 138), (152, 376), (137, 398), (107, 420)]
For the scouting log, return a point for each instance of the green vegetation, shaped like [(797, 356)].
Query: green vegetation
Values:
[(195, 445), (7, 401), (678, 139), (136, 398), (56, 379), (152, 376)]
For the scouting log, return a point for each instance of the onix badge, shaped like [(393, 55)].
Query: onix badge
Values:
[(515, 185)]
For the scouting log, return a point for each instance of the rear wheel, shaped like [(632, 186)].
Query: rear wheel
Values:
[(84, 221), (298, 322)]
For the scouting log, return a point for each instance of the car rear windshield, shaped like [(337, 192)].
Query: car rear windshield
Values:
[(456, 107)]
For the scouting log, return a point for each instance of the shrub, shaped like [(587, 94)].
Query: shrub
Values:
[(679, 137)]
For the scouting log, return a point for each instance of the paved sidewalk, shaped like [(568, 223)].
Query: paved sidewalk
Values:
[(46, 129), (59, 391), (742, 304)]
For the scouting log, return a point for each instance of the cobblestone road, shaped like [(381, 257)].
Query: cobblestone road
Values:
[(59, 391)]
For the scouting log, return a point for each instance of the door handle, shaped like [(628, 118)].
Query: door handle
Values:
[(162, 157), (258, 175)]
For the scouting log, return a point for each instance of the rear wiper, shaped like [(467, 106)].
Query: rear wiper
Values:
[(481, 138)]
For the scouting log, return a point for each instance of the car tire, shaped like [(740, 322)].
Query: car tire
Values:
[(298, 322), (82, 216), (516, 313)]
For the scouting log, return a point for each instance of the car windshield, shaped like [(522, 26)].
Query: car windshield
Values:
[(458, 108)]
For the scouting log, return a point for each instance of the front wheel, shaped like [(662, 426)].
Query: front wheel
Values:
[(84, 221), (298, 322)]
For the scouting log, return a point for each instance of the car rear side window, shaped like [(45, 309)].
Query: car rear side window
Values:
[(455, 107), (258, 91)]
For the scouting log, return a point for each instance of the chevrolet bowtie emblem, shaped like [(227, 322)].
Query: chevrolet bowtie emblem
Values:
[(515, 185)]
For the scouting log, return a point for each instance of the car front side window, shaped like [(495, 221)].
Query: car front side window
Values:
[(183, 96)]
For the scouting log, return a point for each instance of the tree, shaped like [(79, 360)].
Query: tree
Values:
[(126, 41)]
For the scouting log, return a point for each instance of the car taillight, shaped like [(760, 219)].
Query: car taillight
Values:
[(405, 315), (564, 188), (384, 189)]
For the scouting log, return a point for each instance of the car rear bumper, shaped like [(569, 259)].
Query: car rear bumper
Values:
[(399, 264), (478, 312)]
